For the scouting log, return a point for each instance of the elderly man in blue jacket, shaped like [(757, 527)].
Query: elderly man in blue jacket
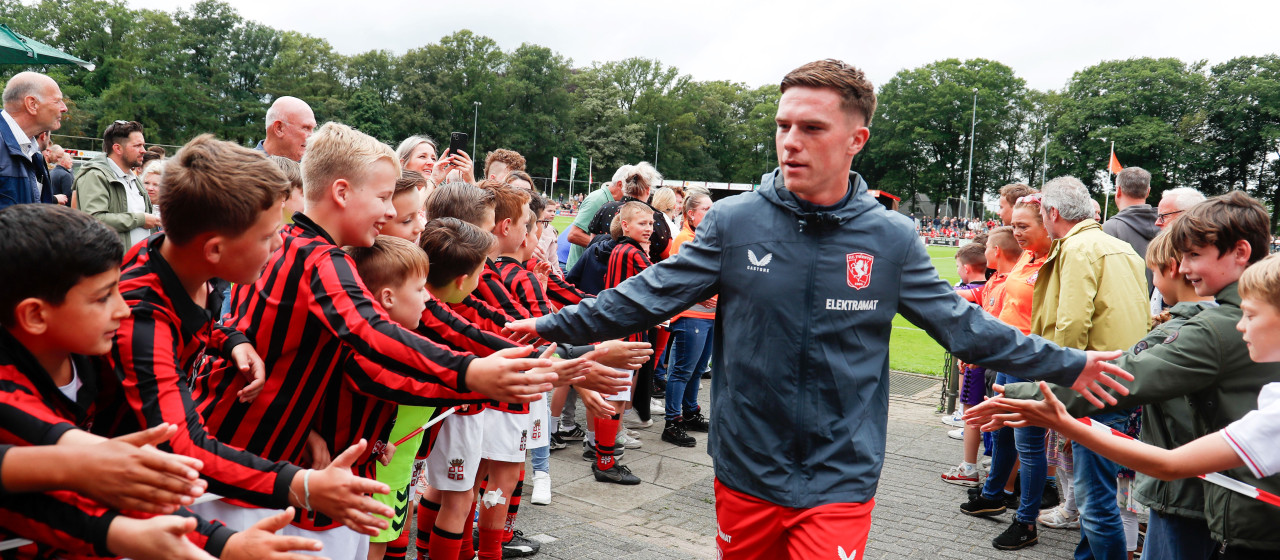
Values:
[(32, 105), (810, 271)]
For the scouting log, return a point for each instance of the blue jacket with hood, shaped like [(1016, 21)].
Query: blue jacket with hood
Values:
[(800, 390)]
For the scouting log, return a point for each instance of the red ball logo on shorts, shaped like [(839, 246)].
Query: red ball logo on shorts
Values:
[(859, 269)]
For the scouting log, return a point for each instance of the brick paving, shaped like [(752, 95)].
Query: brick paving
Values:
[(671, 515)]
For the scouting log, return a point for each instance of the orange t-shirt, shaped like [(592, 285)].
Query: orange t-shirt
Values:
[(687, 234), (1019, 292)]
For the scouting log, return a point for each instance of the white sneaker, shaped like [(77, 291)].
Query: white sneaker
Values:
[(957, 433), (657, 406), (953, 420), (632, 420), (541, 488), (632, 434), (623, 440)]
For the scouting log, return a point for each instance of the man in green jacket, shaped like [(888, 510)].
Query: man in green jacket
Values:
[(1092, 295), (107, 188), (1206, 363)]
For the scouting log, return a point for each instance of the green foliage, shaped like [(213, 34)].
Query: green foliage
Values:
[(205, 68)]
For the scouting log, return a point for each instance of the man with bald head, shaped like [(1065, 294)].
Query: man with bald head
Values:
[(32, 105), (289, 123), (1172, 204)]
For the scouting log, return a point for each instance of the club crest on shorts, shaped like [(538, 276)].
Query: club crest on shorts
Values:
[(524, 438), (456, 470), (537, 429), (858, 269)]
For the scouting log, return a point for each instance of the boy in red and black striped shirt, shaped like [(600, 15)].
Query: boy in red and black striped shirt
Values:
[(310, 306), (222, 220), (60, 304)]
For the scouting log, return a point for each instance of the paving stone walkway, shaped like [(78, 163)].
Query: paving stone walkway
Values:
[(671, 515)]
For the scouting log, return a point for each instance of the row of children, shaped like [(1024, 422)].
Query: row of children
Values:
[(326, 353)]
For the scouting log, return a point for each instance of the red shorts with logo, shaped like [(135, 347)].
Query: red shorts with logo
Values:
[(753, 528)]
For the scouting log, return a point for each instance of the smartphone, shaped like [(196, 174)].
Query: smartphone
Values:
[(457, 141)]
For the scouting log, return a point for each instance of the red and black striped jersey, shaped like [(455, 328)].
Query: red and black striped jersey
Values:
[(308, 306), (444, 325), (56, 522), (522, 285), (481, 314), (494, 292), (155, 350), (627, 259), (561, 292), (34, 411)]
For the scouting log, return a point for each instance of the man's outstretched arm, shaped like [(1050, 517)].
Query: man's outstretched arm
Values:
[(657, 294)]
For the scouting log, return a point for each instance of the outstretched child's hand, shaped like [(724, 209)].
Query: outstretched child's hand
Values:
[(157, 538), (605, 380), (261, 542), (596, 406), (567, 371), (621, 354), (504, 376), (128, 473), (343, 496), (1021, 413)]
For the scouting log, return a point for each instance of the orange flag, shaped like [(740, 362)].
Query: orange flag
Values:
[(1115, 166)]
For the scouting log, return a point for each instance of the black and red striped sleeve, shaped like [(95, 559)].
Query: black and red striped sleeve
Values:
[(223, 338), (481, 314), (209, 535), (491, 290), (562, 293), (25, 418), (344, 305), (445, 326), (145, 358), (365, 377), (526, 289), (62, 520)]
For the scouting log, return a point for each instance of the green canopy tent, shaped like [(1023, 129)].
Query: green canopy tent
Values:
[(16, 48)]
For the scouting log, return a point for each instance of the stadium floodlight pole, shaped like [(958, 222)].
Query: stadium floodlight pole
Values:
[(973, 124), (656, 141), (475, 127)]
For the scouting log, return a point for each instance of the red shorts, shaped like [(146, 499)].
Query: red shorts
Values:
[(749, 527)]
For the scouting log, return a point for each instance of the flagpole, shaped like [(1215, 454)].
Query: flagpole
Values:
[(1106, 200)]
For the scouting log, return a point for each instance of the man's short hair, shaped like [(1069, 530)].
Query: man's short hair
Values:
[(857, 95), (337, 151), (1003, 239), (455, 248), (1262, 281), (973, 254), (48, 249), (292, 171), (1134, 182), (118, 133), (409, 180), (1069, 197), (460, 200), (510, 201), (511, 158), (407, 146), (521, 175), (213, 185), (1183, 198), (389, 262), (1223, 221), (1013, 191), (629, 211), (21, 86)]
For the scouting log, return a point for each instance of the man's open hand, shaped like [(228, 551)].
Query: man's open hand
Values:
[(1098, 371)]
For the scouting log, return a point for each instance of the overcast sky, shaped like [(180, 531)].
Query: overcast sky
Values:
[(758, 42)]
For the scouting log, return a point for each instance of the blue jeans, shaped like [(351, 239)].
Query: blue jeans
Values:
[(1011, 444), (690, 350), (542, 455), (1101, 530), (1177, 538)]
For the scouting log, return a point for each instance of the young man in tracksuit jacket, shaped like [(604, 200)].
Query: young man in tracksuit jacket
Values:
[(810, 275)]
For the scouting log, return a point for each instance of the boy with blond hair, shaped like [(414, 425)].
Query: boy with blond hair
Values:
[(310, 308)]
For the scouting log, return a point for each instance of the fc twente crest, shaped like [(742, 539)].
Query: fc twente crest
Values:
[(858, 267)]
